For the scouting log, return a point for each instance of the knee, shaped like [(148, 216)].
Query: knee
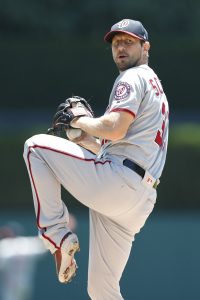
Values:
[(26, 148), (102, 288), (28, 144), (94, 287), (93, 290)]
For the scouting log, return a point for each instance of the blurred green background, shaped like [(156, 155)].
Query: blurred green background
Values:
[(51, 49)]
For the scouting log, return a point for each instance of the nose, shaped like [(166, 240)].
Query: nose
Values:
[(121, 47)]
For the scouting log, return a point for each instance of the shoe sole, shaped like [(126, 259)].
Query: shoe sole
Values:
[(67, 275)]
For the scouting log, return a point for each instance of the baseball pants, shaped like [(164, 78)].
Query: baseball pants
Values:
[(119, 203)]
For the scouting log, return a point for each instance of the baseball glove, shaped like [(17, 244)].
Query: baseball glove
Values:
[(72, 108)]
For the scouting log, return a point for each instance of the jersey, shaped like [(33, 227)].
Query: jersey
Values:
[(138, 91)]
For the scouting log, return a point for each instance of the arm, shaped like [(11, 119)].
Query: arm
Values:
[(112, 126), (90, 143)]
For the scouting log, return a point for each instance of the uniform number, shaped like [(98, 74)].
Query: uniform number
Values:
[(160, 133), (156, 85)]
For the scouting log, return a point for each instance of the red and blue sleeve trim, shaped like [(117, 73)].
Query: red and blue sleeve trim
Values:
[(125, 110)]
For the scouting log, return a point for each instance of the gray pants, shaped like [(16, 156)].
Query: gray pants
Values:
[(119, 203)]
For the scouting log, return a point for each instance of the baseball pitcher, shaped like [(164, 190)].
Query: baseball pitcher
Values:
[(112, 164)]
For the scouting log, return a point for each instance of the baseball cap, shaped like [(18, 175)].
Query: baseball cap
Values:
[(132, 27)]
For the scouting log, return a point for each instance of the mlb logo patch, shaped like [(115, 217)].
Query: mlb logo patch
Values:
[(149, 180)]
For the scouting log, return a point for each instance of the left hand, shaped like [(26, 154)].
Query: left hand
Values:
[(68, 111)]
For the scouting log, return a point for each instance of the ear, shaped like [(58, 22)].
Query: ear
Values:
[(146, 46)]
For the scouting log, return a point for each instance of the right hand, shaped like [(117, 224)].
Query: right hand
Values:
[(89, 142)]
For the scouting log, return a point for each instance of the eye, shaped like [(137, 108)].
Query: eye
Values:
[(128, 42), (115, 44)]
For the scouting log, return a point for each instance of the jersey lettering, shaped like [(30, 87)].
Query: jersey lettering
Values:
[(155, 83)]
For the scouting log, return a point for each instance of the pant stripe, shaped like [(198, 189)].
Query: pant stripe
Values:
[(34, 185), (38, 202)]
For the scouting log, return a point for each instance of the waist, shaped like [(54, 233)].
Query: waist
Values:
[(134, 167), (140, 171)]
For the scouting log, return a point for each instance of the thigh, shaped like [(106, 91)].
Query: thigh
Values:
[(135, 218), (95, 183)]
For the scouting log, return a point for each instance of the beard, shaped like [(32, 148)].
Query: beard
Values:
[(127, 63)]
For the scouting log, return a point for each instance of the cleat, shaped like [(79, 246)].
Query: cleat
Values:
[(64, 258)]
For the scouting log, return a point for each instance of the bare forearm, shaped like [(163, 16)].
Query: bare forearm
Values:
[(106, 127), (91, 144), (94, 127)]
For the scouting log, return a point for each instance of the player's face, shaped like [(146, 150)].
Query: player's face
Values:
[(127, 51)]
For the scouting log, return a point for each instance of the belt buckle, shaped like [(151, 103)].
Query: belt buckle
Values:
[(156, 183)]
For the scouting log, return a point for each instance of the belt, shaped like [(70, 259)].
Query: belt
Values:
[(139, 170), (133, 166)]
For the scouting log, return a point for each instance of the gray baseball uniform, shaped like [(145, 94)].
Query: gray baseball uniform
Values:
[(119, 199), (139, 92)]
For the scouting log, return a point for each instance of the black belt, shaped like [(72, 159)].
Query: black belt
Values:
[(133, 166), (139, 170)]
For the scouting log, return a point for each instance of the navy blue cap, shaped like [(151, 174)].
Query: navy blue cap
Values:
[(132, 27)]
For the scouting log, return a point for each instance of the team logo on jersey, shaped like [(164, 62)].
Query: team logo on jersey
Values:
[(122, 90), (123, 23)]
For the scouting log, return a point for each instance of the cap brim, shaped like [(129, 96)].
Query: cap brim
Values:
[(109, 36)]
